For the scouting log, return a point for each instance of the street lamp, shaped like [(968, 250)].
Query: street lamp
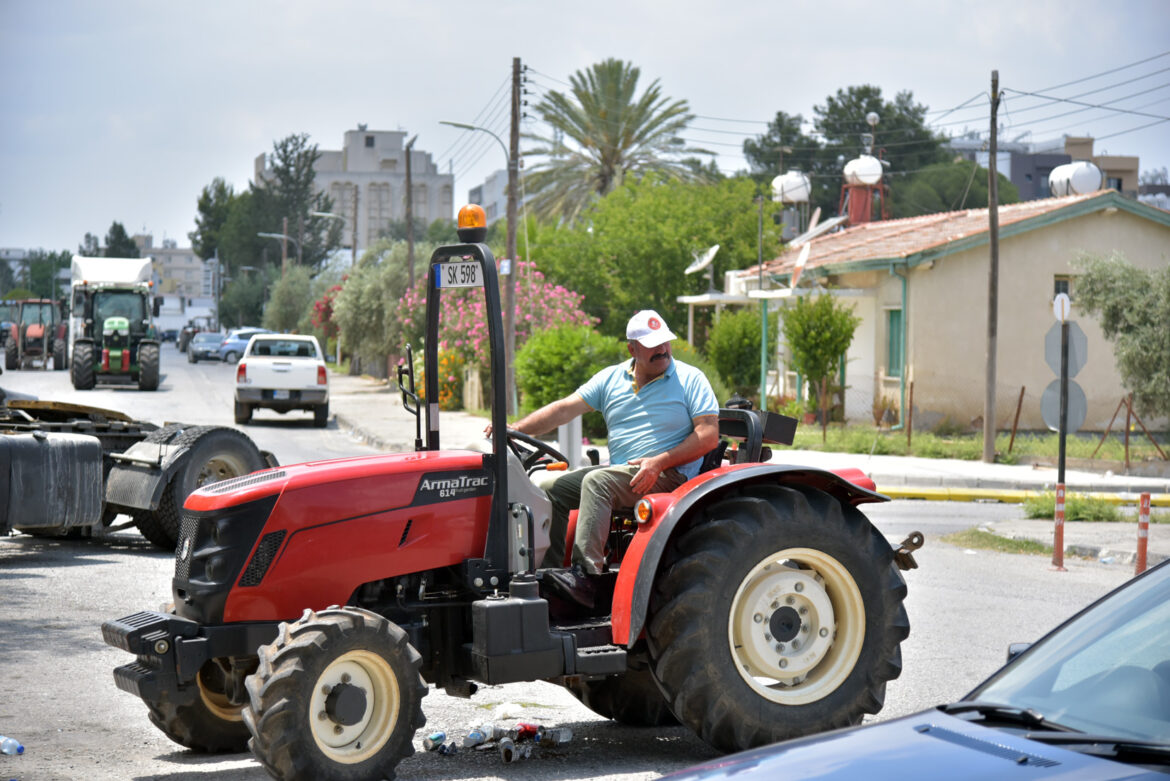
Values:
[(283, 251), (510, 286)]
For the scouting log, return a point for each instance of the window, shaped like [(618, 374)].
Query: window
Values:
[(369, 142), (894, 333), (1062, 283), (1113, 183)]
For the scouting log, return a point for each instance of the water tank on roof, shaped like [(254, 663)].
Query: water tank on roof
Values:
[(1076, 178), (791, 187), (865, 170)]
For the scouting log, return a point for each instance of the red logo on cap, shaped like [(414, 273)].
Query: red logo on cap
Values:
[(654, 323)]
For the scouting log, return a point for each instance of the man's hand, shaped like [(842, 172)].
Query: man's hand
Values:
[(647, 475)]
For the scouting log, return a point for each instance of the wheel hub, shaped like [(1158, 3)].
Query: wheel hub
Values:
[(784, 628), (346, 704)]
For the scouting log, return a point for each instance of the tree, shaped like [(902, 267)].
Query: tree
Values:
[(43, 268), (119, 244), (817, 332), (290, 300), (213, 208), (639, 239), (90, 247), (901, 138), (603, 132), (288, 193), (1133, 307), (945, 187), (7, 279), (242, 301)]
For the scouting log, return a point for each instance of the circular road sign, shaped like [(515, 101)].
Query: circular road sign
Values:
[(1050, 406), (1078, 348), (1061, 306)]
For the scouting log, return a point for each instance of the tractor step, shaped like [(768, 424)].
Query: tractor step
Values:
[(600, 660)]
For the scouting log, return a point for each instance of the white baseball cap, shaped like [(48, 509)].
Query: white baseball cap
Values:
[(648, 329)]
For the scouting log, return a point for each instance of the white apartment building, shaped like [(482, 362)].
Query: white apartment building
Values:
[(367, 181), (178, 271)]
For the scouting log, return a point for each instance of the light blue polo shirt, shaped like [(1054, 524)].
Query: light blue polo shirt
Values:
[(654, 418)]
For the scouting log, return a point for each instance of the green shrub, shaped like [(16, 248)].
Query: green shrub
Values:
[(734, 348), (683, 351), (1077, 507), (554, 363)]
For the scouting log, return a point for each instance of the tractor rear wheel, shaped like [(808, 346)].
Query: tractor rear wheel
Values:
[(59, 355), (211, 723), (780, 615), (11, 357), (633, 699), (148, 365), (337, 695), (81, 367), (217, 453)]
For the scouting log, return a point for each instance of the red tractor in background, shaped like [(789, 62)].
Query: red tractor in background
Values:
[(314, 603), (36, 332)]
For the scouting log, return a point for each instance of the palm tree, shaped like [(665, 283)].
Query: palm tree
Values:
[(602, 132)]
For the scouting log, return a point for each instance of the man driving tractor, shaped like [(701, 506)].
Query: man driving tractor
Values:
[(662, 417)]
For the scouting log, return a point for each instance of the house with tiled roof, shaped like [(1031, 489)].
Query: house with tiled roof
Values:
[(921, 288)]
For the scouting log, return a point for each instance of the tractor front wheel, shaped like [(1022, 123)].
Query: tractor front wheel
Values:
[(148, 367), (780, 615), (337, 695), (81, 367), (211, 723), (59, 355)]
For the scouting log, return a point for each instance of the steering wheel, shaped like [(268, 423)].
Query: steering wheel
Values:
[(531, 450)]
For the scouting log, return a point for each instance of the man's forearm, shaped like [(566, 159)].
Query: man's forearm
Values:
[(697, 444), (550, 416)]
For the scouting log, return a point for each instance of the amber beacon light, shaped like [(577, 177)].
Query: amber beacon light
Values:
[(472, 226)]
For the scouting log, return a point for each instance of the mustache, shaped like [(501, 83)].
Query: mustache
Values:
[(658, 356)]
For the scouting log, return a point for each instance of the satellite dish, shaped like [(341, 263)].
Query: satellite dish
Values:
[(702, 261)]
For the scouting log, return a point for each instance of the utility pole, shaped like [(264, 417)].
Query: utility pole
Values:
[(353, 246), (763, 305), (410, 215), (283, 247), (992, 277), (510, 287)]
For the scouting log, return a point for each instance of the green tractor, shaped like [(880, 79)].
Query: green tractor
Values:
[(112, 333)]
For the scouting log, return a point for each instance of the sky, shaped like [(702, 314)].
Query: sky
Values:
[(123, 110)]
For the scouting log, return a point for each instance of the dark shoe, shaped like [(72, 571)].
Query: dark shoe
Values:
[(572, 585)]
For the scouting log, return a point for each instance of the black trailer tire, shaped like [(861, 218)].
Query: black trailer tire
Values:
[(11, 357), (321, 415), (779, 615), (81, 367), (243, 412), (633, 699), (337, 695), (217, 453), (59, 355), (148, 366), (211, 723)]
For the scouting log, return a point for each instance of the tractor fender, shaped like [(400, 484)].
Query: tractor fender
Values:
[(141, 473), (640, 564)]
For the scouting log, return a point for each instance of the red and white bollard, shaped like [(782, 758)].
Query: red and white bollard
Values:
[(1143, 533), (1058, 531)]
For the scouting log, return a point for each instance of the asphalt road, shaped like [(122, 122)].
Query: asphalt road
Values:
[(60, 701)]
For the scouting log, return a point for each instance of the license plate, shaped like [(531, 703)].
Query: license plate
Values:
[(280, 394), (458, 275)]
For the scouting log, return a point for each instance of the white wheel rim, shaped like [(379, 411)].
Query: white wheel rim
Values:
[(796, 626), (356, 742)]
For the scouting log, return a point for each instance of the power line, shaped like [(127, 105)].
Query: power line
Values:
[(1089, 105), (1106, 73)]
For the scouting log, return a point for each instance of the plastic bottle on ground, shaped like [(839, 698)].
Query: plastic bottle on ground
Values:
[(10, 745)]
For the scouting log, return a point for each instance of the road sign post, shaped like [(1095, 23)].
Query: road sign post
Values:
[(1058, 531), (1060, 307)]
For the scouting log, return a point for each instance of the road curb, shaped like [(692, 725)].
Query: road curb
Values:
[(1006, 495), (356, 431)]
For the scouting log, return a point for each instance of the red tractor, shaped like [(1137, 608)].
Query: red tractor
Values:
[(313, 604), (36, 333)]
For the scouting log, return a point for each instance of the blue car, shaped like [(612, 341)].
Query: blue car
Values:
[(232, 346), (1090, 700)]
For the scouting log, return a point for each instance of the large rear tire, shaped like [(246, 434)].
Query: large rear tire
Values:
[(337, 695), (217, 453), (148, 367), (11, 357), (633, 699), (81, 367), (59, 355), (211, 723), (779, 615)]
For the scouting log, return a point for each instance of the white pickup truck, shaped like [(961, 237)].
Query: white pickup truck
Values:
[(282, 372)]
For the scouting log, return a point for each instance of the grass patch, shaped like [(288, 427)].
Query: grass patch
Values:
[(981, 540), (1077, 507)]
